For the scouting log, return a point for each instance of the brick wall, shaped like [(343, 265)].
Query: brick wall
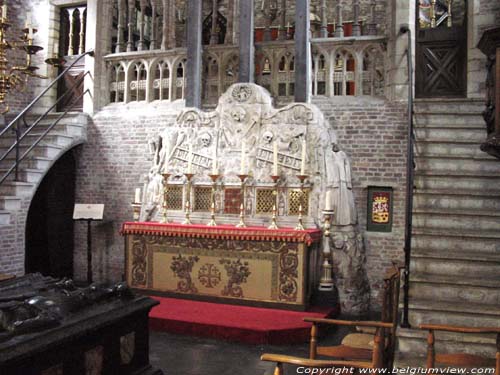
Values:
[(373, 134)]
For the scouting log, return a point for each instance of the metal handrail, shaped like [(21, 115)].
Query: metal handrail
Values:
[(14, 126), (410, 169)]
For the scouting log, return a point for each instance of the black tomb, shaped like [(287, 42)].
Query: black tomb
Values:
[(52, 327)]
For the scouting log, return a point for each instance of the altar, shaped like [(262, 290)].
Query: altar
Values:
[(252, 265)]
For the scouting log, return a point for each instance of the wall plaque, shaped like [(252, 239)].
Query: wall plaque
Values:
[(379, 207)]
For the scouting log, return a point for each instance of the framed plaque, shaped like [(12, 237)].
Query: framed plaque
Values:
[(379, 207)]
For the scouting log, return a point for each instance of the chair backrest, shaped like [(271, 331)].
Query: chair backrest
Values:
[(461, 359), (390, 312)]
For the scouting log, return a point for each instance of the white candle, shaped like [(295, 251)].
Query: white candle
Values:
[(214, 162), (28, 20), (328, 201), (137, 198), (190, 159), (243, 151), (55, 49), (4, 11), (30, 33), (275, 159), (303, 159)]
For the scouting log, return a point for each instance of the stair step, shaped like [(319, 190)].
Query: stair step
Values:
[(471, 120), (4, 217), (17, 188), (458, 240), (457, 219), (448, 105), (10, 203), (459, 314), (451, 253), (439, 200), (457, 164), (26, 174), (53, 138), (456, 267), (493, 282), (465, 149), (426, 179), (40, 162), (414, 342), (468, 135), (455, 293)]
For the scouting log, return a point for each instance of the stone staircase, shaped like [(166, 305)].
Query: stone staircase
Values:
[(68, 133), (455, 265)]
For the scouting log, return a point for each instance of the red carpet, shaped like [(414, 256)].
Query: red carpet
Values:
[(251, 325)]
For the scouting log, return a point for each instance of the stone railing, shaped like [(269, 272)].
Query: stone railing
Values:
[(340, 67)]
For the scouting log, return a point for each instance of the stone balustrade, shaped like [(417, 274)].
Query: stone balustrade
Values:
[(340, 67)]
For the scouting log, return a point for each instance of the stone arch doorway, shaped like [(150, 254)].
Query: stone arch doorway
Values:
[(49, 226)]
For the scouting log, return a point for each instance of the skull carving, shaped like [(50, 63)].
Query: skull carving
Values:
[(268, 136), (205, 139)]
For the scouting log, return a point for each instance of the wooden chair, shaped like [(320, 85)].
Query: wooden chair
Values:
[(372, 347), (460, 359)]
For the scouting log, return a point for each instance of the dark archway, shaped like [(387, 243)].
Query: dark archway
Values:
[(49, 226)]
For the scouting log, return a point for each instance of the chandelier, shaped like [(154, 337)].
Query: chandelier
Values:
[(16, 77)]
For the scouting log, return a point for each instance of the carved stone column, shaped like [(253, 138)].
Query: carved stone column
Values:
[(489, 44), (194, 53), (356, 28), (339, 29), (154, 24), (142, 23), (120, 45), (230, 23), (302, 52), (246, 41), (324, 20), (214, 37), (164, 28), (71, 13), (282, 34), (130, 25), (171, 24), (81, 36)]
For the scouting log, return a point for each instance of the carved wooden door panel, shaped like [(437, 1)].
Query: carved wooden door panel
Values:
[(441, 48)]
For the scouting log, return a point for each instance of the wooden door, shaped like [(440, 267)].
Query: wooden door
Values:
[(441, 48)]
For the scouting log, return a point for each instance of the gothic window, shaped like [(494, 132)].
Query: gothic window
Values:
[(117, 84), (286, 75), (344, 74), (211, 79), (139, 82), (161, 83), (319, 75), (180, 80), (372, 78)]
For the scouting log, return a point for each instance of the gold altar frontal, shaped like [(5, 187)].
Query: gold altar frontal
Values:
[(254, 266)]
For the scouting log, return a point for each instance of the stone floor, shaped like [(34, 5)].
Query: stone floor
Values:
[(186, 355)]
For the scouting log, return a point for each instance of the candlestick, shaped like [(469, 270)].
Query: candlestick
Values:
[(137, 197), (274, 224), (302, 178), (212, 222), (136, 207), (326, 282), (242, 178), (187, 219), (165, 195), (275, 159), (303, 158)]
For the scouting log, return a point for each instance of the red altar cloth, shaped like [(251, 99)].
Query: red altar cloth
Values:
[(228, 232)]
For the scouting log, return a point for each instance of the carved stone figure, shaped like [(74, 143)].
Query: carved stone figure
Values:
[(338, 174)]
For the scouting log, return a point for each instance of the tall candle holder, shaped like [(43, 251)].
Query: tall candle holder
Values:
[(274, 224), (302, 178), (136, 207), (242, 223), (165, 176), (187, 219), (212, 222), (326, 281)]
